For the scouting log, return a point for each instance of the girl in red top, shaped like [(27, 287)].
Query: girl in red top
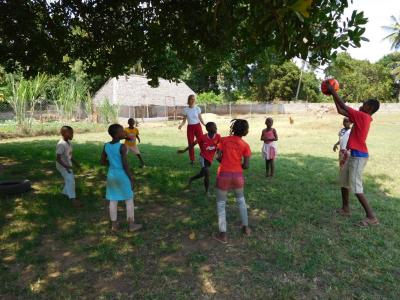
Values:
[(208, 146), (234, 155), (269, 149)]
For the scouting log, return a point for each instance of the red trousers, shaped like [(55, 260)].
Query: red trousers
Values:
[(194, 130)]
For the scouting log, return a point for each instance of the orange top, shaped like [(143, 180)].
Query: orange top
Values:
[(131, 136), (233, 148)]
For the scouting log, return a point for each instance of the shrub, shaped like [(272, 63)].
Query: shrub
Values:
[(108, 112), (209, 98), (23, 95)]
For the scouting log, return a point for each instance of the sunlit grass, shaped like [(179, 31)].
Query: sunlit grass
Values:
[(299, 249)]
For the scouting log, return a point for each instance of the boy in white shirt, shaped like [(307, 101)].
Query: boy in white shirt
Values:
[(64, 162), (344, 134), (344, 155)]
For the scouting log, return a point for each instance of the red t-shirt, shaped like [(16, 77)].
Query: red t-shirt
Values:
[(358, 135), (208, 146), (233, 150)]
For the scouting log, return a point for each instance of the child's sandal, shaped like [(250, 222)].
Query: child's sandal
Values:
[(246, 230), (220, 237), (134, 227), (342, 212), (114, 226), (367, 222)]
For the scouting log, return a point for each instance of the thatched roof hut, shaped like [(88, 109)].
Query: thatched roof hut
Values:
[(133, 90)]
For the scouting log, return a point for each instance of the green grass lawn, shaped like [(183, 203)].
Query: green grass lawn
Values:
[(299, 250)]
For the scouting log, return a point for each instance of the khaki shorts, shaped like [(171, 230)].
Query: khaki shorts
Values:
[(351, 174), (133, 149)]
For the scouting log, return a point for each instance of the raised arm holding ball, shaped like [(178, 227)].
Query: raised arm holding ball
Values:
[(351, 177)]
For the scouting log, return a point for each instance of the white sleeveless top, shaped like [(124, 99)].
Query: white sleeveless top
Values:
[(192, 114), (344, 138)]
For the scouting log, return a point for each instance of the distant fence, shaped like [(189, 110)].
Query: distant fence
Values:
[(176, 112), (148, 112), (43, 112)]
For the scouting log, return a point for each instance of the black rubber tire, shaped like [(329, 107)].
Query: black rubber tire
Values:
[(14, 186)]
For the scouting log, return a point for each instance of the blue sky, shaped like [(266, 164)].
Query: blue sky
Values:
[(378, 13)]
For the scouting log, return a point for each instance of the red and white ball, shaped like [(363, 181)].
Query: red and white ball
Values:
[(333, 82)]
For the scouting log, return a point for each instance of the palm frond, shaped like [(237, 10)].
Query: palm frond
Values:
[(394, 19), (394, 36)]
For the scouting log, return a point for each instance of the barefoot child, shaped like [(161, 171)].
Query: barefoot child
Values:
[(269, 149), (234, 155), (352, 173), (208, 146), (64, 162), (132, 134), (344, 134), (119, 185)]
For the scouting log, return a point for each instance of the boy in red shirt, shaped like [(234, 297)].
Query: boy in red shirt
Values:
[(208, 146), (234, 155), (352, 176)]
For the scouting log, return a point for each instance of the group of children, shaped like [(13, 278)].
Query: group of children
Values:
[(120, 181), (233, 155)]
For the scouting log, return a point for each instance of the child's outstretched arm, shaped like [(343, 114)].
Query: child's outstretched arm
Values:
[(246, 162), (187, 148), (275, 134), (336, 146), (201, 119), (183, 123), (125, 165), (138, 138), (103, 159), (341, 107), (219, 155)]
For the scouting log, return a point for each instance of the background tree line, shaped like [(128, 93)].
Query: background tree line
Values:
[(267, 81), (224, 50)]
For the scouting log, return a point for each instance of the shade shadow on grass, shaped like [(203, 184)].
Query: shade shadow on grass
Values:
[(299, 247)]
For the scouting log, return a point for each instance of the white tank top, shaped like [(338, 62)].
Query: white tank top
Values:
[(192, 114)]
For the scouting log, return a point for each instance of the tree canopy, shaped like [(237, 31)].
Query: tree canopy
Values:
[(166, 37), (360, 79), (392, 62)]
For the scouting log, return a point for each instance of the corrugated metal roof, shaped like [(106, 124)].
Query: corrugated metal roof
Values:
[(133, 90)]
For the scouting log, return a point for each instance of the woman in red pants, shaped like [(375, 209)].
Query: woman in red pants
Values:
[(192, 114)]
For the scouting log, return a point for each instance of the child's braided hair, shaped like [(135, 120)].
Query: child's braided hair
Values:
[(239, 127)]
